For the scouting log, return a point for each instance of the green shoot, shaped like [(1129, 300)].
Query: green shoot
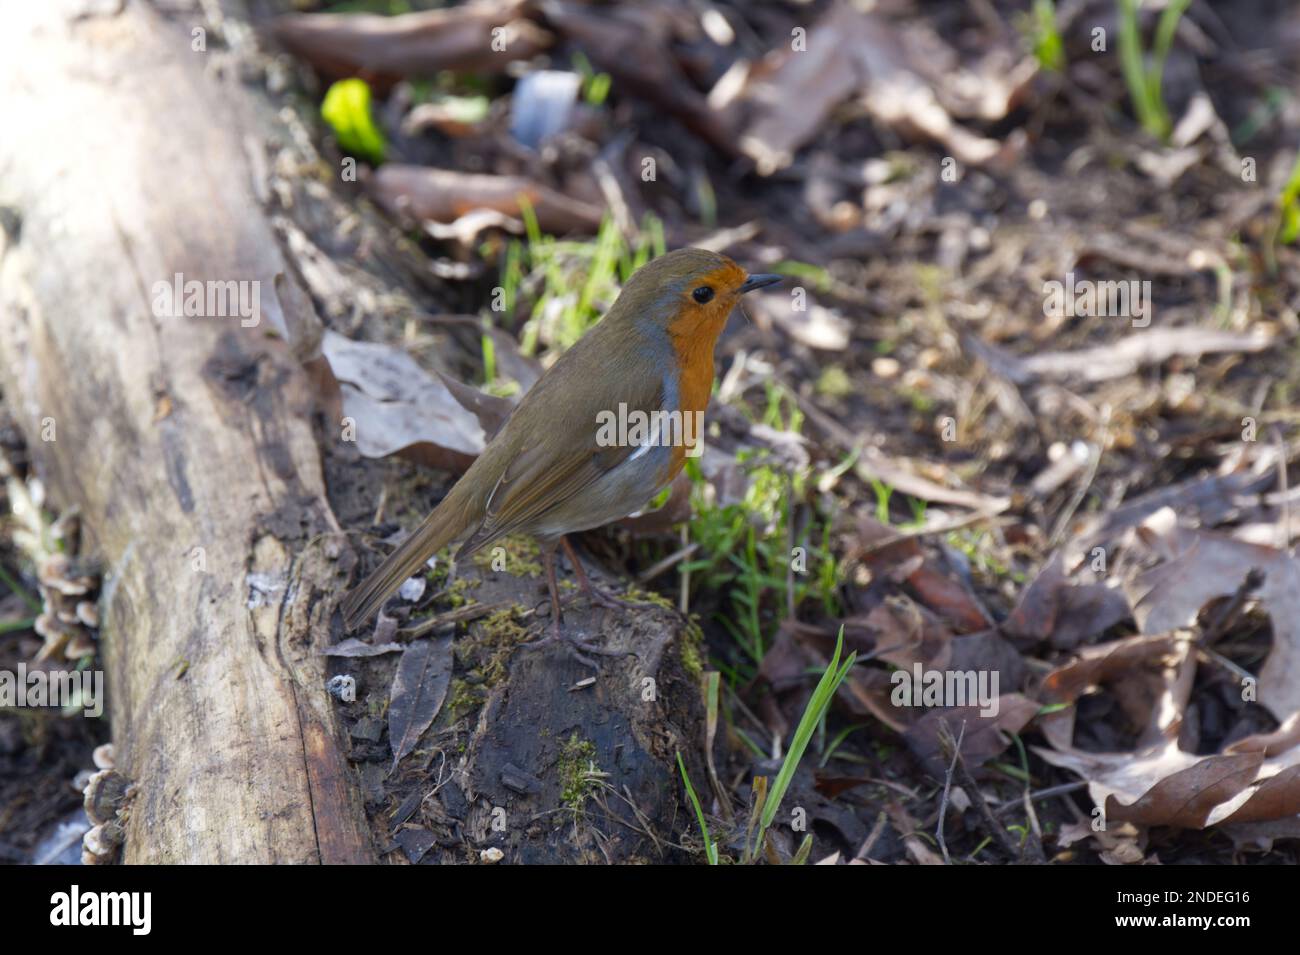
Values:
[(838, 740), (710, 847), (1288, 205), (746, 550), (1049, 48), (594, 86), (883, 493), (346, 108), (576, 281), (1144, 78), (489, 359), (813, 714)]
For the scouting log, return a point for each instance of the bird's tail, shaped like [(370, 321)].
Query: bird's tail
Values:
[(447, 522)]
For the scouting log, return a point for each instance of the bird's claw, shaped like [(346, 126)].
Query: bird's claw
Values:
[(599, 597), (577, 647)]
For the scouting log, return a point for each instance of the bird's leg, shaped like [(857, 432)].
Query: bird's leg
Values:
[(576, 647), (553, 586), (594, 594)]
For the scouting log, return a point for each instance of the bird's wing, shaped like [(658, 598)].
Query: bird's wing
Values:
[(560, 460)]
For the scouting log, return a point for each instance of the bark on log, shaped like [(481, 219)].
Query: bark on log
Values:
[(560, 763), (186, 442)]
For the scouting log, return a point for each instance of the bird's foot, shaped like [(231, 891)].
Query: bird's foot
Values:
[(600, 597), (596, 596), (577, 647)]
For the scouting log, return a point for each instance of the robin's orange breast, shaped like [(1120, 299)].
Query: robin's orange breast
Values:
[(693, 335)]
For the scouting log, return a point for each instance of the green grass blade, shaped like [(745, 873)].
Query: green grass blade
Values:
[(710, 847), (812, 715)]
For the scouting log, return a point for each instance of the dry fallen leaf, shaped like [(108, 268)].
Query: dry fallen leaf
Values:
[(490, 410), (354, 647), (849, 52), (633, 44), (383, 48), (1198, 566), (985, 734), (1150, 677), (902, 559), (1270, 744), (397, 407), (815, 325), (445, 195), (1203, 501), (1119, 359), (1064, 613), (907, 827), (1162, 785), (419, 689)]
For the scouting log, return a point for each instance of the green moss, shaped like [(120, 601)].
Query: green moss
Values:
[(520, 557), (690, 656), (637, 595), (437, 574), (458, 594), (465, 697), (500, 634), (577, 769), (834, 383), (503, 626), (484, 652), (919, 400), (690, 648)]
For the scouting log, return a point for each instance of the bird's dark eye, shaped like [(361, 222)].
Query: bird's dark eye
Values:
[(703, 294)]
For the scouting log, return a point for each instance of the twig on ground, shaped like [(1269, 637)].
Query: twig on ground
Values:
[(947, 788), (992, 828), (865, 849)]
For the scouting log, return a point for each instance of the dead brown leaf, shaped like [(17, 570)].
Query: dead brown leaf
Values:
[(879, 548), (985, 735), (1065, 614), (1148, 346), (633, 45), (1270, 744), (849, 52), (1163, 785), (1197, 567), (1203, 501), (815, 325), (419, 688), (490, 410), (1147, 674), (444, 195), (383, 49), (394, 406)]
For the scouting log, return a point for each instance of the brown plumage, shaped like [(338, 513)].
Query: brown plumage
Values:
[(544, 473)]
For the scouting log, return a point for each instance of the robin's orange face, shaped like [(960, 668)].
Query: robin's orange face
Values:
[(706, 300)]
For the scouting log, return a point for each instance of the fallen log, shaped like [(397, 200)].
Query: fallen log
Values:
[(187, 443)]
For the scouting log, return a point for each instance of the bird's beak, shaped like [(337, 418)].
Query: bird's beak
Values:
[(759, 281)]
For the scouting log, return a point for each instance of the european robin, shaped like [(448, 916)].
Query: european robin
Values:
[(555, 466)]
